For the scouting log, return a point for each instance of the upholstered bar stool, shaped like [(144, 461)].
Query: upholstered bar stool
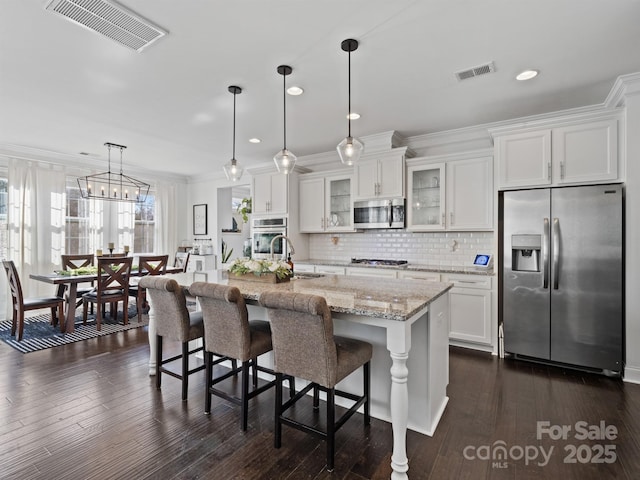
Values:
[(174, 322), (304, 346), (229, 333)]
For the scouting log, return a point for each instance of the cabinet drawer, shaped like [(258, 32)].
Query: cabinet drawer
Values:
[(427, 276), (303, 268), (331, 270), (469, 281), (371, 272)]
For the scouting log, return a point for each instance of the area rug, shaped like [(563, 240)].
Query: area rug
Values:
[(39, 334)]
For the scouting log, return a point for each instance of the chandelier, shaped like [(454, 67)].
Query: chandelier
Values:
[(113, 186)]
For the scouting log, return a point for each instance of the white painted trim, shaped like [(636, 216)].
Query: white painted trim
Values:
[(631, 375)]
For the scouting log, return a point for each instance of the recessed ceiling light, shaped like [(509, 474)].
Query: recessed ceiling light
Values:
[(527, 75), (295, 91), (353, 116), (254, 140)]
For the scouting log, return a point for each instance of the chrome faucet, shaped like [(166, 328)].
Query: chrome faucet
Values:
[(291, 251)]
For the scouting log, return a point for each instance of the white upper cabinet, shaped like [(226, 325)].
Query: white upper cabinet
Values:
[(270, 193), (326, 203), (470, 194), (524, 159), (572, 151), (455, 194), (585, 153), (380, 176)]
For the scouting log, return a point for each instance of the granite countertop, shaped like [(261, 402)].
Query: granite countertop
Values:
[(392, 299), (409, 266)]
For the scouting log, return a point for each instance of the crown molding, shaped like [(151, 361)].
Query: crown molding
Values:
[(624, 86), (80, 164)]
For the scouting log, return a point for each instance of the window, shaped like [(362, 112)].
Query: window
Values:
[(91, 224), (77, 224), (144, 232)]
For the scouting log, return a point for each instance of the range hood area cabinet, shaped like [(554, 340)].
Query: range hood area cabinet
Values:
[(565, 151), (450, 192), (380, 175), (326, 202)]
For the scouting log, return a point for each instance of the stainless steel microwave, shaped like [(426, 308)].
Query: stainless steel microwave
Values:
[(387, 213)]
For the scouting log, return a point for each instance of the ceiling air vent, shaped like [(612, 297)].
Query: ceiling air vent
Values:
[(475, 71), (111, 20)]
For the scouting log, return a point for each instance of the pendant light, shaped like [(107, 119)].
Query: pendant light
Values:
[(232, 170), (284, 159), (350, 148)]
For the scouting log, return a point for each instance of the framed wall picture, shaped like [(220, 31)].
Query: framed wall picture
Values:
[(200, 219)]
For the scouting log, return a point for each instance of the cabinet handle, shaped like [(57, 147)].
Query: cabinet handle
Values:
[(443, 219), (549, 171), (322, 223), (451, 218), (561, 170)]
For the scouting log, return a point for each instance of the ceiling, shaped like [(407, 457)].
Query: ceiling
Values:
[(68, 90)]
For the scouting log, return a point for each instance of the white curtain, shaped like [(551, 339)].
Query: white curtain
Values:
[(36, 221), (166, 218)]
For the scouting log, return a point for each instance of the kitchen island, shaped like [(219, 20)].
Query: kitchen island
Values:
[(393, 315)]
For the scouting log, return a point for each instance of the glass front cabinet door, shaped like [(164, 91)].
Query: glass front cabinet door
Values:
[(425, 207), (339, 207)]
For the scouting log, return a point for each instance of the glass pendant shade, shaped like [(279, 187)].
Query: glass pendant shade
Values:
[(233, 171), (349, 150), (285, 161)]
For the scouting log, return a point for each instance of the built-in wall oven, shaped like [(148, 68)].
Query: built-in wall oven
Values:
[(263, 231)]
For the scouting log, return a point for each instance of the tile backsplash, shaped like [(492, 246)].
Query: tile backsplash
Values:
[(444, 249)]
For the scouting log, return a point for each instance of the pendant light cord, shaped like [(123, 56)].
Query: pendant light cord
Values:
[(349, 90), (284, 107), (234, 126)]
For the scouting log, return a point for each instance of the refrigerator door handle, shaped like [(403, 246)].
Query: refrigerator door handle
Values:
[(545, 254), (556, 251)]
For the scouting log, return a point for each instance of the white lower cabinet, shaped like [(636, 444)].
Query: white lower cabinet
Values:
[(371, 272), (303, 268), (330, 269), (418, 275), (470, 319), (199, 263)]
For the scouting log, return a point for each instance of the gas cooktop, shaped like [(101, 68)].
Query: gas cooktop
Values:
[(372, 261)]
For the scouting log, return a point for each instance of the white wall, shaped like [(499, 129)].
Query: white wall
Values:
[(632, 233)]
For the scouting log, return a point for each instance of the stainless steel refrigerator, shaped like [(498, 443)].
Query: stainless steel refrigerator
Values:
[(562, 275)]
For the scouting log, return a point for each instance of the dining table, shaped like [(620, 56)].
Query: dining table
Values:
[(69, 281)]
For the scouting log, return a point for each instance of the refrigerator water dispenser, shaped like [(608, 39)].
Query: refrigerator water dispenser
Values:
[(526, 253)]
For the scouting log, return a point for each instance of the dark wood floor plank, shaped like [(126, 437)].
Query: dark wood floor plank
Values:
[(89, 410)]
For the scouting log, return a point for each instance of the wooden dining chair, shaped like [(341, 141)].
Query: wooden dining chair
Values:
[(181, 260), (71, 262), (112, 286), (147, 265), (21, 304)]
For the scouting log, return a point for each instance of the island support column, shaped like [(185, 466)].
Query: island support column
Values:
[(399, 344), (153, 346)]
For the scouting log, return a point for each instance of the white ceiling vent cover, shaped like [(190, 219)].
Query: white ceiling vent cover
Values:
[(475, 71), (111, 20)]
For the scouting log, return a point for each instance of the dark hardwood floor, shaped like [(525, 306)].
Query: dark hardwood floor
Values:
[(89, 410)]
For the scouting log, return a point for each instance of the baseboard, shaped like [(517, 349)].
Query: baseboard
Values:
[(631, 374)]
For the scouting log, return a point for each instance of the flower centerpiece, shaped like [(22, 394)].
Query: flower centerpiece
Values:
[(268, 271)]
